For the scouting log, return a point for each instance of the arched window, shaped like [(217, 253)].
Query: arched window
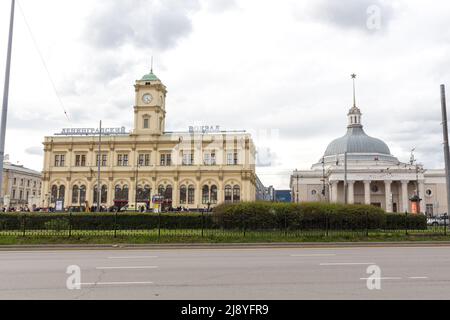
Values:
[(161, 190), (75, 194), (125, 192), (213, 197), (228, 194), (205, 194), (168, 193), (82, 194), (54, 194), (143, 194), (183, 195), (117, 193), (62, 193), (236, 194), (191, 194)]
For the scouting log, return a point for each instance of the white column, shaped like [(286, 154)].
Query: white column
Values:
[(405, 200), (367, 199), (334, 191), (351, 192), (388, 193)]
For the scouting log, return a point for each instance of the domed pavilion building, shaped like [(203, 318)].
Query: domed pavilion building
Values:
[(372, 175)]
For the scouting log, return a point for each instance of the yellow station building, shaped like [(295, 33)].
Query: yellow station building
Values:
[(198, 168)]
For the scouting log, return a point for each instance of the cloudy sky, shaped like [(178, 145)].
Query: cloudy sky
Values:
[(280, 70)]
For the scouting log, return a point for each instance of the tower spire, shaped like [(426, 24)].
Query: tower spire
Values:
[(354, 115), (354, 89), (151, 70)]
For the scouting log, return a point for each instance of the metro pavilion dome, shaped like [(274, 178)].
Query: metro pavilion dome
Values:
[(357, 141)]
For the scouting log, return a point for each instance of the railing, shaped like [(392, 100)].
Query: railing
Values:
[(191, 226)]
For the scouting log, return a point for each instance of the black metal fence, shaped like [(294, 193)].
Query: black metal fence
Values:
[(202, 226)]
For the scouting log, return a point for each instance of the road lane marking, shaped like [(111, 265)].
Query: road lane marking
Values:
[(418, 278), (314, 255), (348, 264), (134, 257), (119, 268), (383, 278), (114, 283)]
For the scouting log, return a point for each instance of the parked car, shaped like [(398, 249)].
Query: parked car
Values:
[(441, 220)]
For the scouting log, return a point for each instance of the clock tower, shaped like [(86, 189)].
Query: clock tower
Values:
[(150, 106)]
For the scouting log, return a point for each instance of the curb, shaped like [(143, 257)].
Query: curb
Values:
[(303, 245)]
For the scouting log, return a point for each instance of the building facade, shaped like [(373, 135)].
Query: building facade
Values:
[(372, 175), (193, 169), (21, 186)]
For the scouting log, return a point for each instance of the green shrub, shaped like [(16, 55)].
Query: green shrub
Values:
[(57, 225), (306, 216), (242, 216)]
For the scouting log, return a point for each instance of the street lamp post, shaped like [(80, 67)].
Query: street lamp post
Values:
[(136, 185), (6, 96)]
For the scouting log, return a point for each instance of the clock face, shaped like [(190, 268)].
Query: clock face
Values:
[(147, 98)]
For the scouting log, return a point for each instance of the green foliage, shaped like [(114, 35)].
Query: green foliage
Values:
[(243, 216), (57, 225), (308, 216)]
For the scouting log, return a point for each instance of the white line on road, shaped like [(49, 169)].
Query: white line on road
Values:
[(395, 278), (313, 255), (384, 278), (348, 264), (134, 257), (137, 267), (113, 283)]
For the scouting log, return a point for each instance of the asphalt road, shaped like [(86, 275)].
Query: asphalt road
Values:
[(328, 273)]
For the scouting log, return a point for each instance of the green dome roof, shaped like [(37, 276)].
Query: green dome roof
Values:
[(150, 77)]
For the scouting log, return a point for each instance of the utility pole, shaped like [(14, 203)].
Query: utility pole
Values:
[(6, 96), (324, 192), (99, 156), (345, 179), (446, 146)]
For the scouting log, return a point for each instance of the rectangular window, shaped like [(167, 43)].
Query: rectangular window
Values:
[(429, 210), (188, 158), (14, 194), (144, 160), (125, 160), (166, 159), (119, 160), (80, 160), (62, 160), (28, 183), (210, 158), (57, 160), (21, 182), (20, 195), (146, 123), (103, 160), (15, 181), (232, 158)]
